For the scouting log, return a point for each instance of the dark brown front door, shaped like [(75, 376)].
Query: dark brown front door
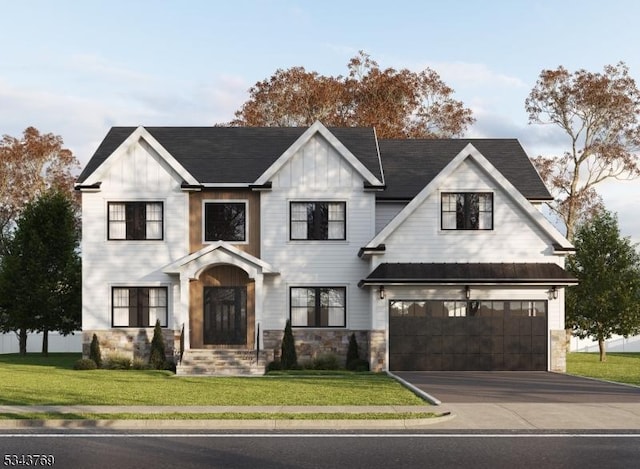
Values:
[(225, 316)]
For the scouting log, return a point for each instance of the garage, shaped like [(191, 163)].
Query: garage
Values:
[(469, 316), (437, 335)]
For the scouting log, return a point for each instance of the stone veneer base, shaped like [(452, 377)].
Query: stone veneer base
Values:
[(132, 342)]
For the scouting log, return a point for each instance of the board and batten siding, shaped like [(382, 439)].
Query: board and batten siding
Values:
[(316, 173), (139, 174)]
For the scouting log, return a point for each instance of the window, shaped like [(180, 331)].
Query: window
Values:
[(139, 306), (225, 221), (318, 220), (135, 220), (467, 211), (463, 309), (318, 307)]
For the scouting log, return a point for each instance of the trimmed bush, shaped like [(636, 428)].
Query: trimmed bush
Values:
[(273, 366), (358, 365), (327, 361), (94, 351), (116, 361), (289, 358), (158, 357), (85, 364), (170, 365), (352, 351)]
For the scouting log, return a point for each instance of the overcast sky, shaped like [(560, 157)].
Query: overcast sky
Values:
[(76, 68)]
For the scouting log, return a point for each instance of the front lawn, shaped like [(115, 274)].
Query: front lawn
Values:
[(35, 380), (619, 367)]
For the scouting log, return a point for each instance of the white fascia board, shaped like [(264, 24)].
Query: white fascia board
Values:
[(469, 151), (133, 139), (222, 246), (317, 127)]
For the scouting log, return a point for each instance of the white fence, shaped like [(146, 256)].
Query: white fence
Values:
[(57, 343), (615, 344)]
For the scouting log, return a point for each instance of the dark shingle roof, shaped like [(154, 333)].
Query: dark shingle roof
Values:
[(241, 154), (470, 273), (410, 164), (234, 154)]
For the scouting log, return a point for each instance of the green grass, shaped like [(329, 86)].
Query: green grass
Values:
[(36, 380), (619, 367), (220, 416)]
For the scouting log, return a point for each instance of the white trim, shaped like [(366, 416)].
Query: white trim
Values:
[(469, 151), (158, 284), (317, 127), (230, 201), (226, 253), (133, 139)]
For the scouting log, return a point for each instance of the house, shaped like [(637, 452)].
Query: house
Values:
[(433, 252)]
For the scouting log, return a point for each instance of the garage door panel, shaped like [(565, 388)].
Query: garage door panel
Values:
[(505, 338)]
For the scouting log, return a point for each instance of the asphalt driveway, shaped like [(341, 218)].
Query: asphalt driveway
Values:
[(517, 387)]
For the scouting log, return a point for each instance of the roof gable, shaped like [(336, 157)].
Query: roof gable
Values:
[(94, 173), (233, 155), (410, 164), (470, 152), (318, 128)]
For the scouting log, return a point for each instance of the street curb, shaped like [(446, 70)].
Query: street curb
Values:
[(266, 424), (417, 391)]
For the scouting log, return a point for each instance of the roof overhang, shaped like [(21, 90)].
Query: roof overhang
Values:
[(520, 274)]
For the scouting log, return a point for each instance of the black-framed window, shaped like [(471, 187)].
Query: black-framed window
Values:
[(318, 220), (467, 211), (139, 306), (468, 308), (318, 307), (135, 220), (225, 221)]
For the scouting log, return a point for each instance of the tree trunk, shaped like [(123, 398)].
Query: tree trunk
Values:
[(603, 350), (45, 343), (22, 340)]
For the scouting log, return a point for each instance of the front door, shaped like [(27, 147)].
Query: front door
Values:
[(225, 315)]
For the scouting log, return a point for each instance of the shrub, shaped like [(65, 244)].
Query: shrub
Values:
[(94, 351), (327, 361), (358, 365), (157, 358), (116, 361), (170, 365), (85, 364), (139, 364), (273, 366), (289, 358), (352, 351)]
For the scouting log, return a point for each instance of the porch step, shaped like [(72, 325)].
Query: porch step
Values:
[(221, 362)]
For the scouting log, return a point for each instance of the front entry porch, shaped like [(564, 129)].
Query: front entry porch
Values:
[(221, 297)]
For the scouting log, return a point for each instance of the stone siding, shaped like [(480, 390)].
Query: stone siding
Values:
[(311, 344), (134, 343), (558, 359)]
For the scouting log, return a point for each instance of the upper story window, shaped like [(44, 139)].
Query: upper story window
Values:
[(467, 211), (139, 306), (318, 220), (135, 220), (225, 221)]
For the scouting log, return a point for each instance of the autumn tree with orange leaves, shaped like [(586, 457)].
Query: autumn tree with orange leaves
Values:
[(398, 103), (599, 113), (29, 166)]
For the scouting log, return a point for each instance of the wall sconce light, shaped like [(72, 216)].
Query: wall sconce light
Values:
[(467, 292), (381, 292), (553, 293)]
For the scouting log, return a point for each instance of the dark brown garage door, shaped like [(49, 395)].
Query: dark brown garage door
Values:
[(467, 335)]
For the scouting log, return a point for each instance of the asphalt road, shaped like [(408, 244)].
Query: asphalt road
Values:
[(264, 451)]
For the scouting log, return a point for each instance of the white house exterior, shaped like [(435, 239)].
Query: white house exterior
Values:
[(432, 252)]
